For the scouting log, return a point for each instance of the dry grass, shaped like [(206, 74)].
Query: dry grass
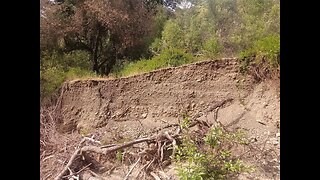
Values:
[(55, 149)]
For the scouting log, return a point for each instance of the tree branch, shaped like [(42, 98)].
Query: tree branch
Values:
[(100, 150)]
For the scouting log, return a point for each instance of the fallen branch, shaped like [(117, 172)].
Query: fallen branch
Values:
[(72, 174), (174, 143), (65, 169), (163, 136), (219, 104), (48, 157), (92, 140), (164, 127), (106, 151), (156, 177), (126, 177), (99, 150)]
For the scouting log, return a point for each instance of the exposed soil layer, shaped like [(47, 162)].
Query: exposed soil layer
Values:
[(128, 108)]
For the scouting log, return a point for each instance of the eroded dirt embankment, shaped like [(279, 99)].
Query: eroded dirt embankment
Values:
[(134, 105), (158, 96)]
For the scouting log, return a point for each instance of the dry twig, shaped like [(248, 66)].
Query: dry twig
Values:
[(126, 177)]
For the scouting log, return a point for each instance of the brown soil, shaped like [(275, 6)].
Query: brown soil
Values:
[(128, 108)]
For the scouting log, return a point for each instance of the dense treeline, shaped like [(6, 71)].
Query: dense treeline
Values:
[(85, 38)]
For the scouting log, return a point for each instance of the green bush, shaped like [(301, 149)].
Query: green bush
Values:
[(172, 35), (210, 159), (212, 47), (77, 72), (55, 68), (174, 57), (168, 58), (267, 48), (156, 46), (50, 80)]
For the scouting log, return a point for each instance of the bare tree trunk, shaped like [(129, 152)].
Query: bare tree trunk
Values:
[(95, 66)]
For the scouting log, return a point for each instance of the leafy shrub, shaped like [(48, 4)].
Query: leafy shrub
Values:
[(77, 72), (211, 159), (50, 80), (167, 58), (55, 68), (172, 35), (267, 48), (174, 57), (212, 47), (156, 46)]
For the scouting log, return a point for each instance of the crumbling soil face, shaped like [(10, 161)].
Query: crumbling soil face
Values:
[(123, 109), (156, 97)]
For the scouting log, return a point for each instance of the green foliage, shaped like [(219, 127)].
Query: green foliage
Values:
[(217, 136), (119, 156), (258, 19), (185, 121), (211, 160), (209, 29), (50, 80), (220, 27), (190, 30), (212, 47), (167, 58), (174, 57), (78, 72), (55, 68), (172, 35), (266, 48), (156, 46)]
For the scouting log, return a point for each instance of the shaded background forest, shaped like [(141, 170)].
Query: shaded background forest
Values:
[(116, 38)]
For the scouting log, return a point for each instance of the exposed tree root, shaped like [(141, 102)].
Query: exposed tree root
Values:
[(159, 141)]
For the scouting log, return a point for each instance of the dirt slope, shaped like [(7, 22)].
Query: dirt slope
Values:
[(130, 107), (157, 96)]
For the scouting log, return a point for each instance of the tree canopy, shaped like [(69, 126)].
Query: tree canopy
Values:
[(103, 37)]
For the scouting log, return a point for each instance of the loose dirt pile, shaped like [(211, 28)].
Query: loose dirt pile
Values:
[(120, 110)]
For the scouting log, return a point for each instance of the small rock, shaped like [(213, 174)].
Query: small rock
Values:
[(253, 139), (278, 135), (193, 105), (265, 105), (274, 141), (261, 122), (144, 115), (267, 133), (264, 163), (199, 80)]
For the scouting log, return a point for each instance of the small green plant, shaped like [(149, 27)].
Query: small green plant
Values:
[(185, 120), (119, 156), (84, 131), (212, 159)]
